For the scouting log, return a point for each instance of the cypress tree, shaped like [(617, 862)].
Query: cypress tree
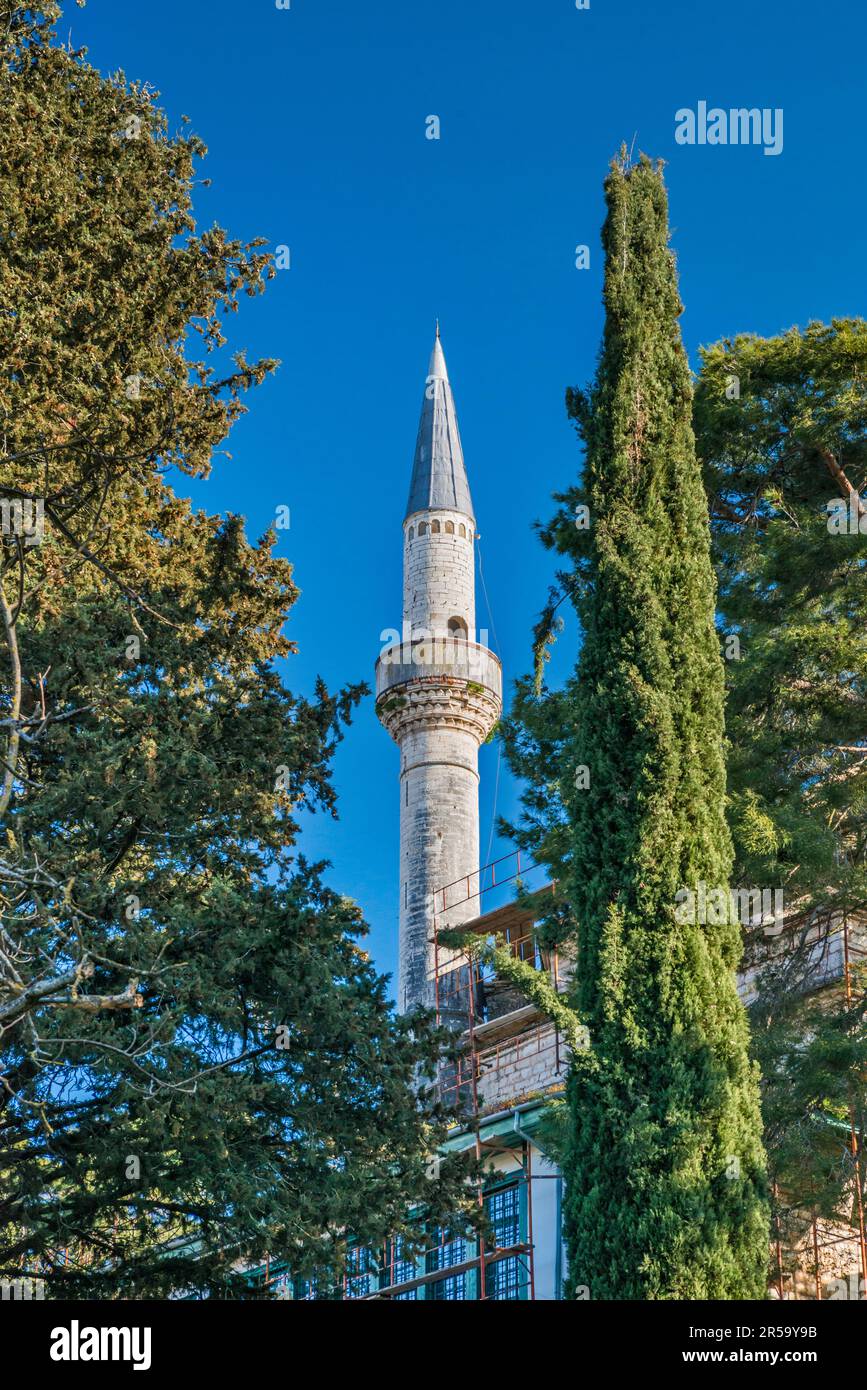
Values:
[(663, 1157)]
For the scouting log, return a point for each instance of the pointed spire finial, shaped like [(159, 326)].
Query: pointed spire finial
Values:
[(437, 369), (439, 479)]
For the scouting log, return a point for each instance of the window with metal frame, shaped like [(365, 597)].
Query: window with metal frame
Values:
[(399, 1270), (505, 1279), (307, 1290), (362, 1272), (448, 1250)]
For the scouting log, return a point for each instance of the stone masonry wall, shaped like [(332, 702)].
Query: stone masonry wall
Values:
[(439, 842), (438, 573), (439, 782), (521, 1067)]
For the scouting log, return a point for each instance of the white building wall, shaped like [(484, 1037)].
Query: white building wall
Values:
[(546, 1194), (543, 1197)]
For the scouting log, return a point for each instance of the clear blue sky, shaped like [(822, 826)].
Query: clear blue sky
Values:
[(315, 122)]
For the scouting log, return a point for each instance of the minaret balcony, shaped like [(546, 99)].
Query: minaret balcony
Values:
[(434, 681)]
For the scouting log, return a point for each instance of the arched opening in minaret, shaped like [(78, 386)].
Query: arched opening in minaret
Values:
[(450, 528), (458, 629), (422, 528), (434, 528)]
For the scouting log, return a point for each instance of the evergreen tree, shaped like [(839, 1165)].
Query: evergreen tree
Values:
[(663, 1158), (196, 1053), (781, 425)]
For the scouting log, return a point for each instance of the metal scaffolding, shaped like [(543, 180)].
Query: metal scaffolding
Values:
[(463, 988)]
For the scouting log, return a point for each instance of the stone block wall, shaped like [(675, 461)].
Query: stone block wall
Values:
[(439, 841), (438, 572), (520, 1067)]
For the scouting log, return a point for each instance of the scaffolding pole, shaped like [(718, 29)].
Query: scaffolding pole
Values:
[(456, 965)]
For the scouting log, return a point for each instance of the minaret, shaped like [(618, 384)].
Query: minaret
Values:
[(439, 692)]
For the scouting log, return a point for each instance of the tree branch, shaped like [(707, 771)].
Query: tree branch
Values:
[(14, 739), (841, 480), (44, 992)]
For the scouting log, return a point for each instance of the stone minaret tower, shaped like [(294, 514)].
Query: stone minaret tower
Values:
[(439, 692)]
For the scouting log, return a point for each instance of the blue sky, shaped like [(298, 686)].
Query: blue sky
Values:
[(315, 122)]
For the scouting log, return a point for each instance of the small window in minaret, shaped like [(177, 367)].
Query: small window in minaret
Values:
[(422, 528), (450, 528), (410, 534), (462, 530), (458, 629), (434, 528)]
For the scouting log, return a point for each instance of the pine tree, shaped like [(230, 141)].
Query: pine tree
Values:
[(665, 1187), (781, 426), (197, 1055)]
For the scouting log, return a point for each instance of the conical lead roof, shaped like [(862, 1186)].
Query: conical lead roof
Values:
[(439, 478)]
